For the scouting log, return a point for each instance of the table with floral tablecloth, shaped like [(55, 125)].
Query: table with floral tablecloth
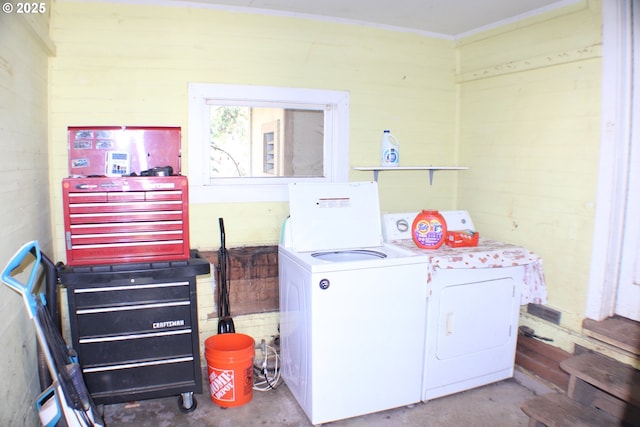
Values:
[(488, 254)]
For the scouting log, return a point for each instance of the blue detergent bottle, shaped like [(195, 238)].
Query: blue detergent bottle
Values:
[(390, 149)]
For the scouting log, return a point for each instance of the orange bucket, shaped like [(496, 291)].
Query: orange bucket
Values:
[(230, 367)]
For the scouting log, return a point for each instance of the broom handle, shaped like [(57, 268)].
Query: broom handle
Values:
[(224, 291)]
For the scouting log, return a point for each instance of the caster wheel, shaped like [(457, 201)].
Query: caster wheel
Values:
[(184, 399)]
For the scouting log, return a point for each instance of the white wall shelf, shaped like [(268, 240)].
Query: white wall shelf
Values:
[(432, 169)]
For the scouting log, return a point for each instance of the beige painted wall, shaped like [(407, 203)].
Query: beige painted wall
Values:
[(25, 211), (530, 131)]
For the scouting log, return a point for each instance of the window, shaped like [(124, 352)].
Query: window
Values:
[(246, 143), (265, 142)]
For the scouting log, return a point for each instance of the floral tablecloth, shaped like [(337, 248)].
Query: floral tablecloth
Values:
[(488, 254)]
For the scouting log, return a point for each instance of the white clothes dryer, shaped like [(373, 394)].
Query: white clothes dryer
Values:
[(352, 308), (474, 297)]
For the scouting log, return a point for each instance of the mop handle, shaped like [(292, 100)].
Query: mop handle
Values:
[(26, 290), (222, 237)]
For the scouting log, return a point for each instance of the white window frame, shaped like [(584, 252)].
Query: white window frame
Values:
[(204, 189)]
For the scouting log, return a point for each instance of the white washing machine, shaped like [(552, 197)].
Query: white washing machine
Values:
[(474, 297), (352, 308)]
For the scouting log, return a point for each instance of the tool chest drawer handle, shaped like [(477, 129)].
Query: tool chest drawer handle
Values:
[(138, 364), (134, 336), (131, 307), (129, 287)]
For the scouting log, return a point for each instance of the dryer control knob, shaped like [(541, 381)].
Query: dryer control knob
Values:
[(324, 283)]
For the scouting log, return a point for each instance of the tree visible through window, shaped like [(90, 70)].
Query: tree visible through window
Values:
[(230, 145), (266, 142)]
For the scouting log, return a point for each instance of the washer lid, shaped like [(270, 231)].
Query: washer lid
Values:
[(334, 216)]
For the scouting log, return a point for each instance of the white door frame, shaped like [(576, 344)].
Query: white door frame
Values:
[(614, 154)]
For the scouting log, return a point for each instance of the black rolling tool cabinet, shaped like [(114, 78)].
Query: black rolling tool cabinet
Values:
[(135, 329)]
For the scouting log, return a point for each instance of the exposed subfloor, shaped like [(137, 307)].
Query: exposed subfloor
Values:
[(494, 405)]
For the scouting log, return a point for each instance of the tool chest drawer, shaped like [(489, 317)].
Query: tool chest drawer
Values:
[(126, 219), (132, 318), (149, 380), (135, 348), (135, 327), (116, 294)]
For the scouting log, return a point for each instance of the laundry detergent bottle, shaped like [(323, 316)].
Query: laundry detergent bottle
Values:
[(429, 230), (390, 149)]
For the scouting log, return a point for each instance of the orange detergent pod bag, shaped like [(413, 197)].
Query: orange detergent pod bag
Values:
[(429, 229)]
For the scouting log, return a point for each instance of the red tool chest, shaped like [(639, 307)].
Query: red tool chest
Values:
[(126, 219)]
